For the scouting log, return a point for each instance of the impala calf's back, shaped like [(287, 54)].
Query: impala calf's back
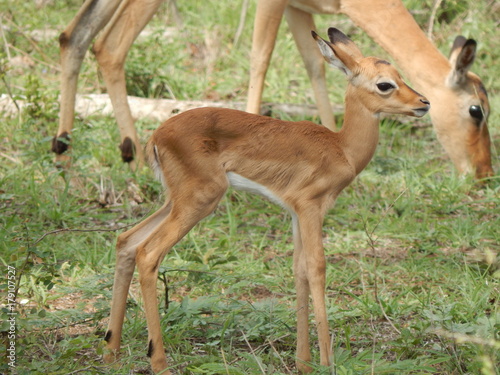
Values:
[(300, 165)]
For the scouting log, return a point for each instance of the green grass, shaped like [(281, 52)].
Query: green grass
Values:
[(413, 275)]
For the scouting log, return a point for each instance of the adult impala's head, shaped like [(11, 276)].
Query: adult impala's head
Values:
[(460, 115), (376, 83)]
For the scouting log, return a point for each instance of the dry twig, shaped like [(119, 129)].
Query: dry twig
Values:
[(435, 7)]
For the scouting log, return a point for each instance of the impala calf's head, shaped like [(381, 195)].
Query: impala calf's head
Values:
[(378, 85)]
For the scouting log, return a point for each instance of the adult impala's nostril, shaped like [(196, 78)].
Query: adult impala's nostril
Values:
[(425, 101)]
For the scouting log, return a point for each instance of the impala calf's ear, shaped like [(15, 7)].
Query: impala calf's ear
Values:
[(343, 43), (335, 56)]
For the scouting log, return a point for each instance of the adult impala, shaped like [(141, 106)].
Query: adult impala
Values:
[(300, 165), (460, 104)]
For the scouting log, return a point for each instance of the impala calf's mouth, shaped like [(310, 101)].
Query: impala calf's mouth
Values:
[(419, 112)]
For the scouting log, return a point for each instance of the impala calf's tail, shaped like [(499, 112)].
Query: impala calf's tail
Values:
[(153, 159)]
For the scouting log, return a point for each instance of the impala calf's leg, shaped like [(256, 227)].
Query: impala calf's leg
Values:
[(309, 272), (126, 252), (302, 292), (187, 211), (315, 266)]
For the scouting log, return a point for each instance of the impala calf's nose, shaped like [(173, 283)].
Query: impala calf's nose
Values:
[(421, 111)]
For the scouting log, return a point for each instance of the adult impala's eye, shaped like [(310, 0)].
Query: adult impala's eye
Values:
[(476, 112), (385, 86)]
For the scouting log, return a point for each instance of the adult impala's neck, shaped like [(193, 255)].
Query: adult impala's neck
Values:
[(391, 26), (359, 133)]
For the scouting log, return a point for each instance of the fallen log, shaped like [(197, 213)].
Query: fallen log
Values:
[(162, 109), (158, 109)]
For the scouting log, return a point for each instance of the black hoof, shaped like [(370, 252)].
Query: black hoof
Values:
[(128, 150), (60, 144)]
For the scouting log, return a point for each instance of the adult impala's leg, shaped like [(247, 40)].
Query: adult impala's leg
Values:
[(310, 224), (111, 50), (267, 21), (125, 264), (74, 43), (188, 208), (302, 292), (301, 23)]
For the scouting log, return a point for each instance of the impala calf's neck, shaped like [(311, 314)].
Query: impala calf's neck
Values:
[(300, 165)]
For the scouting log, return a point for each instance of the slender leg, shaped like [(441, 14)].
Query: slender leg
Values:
[(267, 21), (310, 224), (301, 23), (302, 291), (74, 43), (187, 210), (126, 248), (111, 50)]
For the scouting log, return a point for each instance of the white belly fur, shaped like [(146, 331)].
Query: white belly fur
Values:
[(241, 183)]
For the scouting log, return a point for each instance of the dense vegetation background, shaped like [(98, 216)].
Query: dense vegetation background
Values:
[(413, 275)]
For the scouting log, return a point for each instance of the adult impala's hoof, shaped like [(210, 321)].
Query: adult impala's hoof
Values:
[(60, 143), (128, 150)]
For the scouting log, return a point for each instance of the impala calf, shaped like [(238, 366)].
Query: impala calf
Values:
[(300, 165)]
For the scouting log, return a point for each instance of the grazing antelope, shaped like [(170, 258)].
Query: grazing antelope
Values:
[(300, 165), (460, 104)]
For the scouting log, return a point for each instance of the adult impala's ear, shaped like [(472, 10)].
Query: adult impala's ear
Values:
[(461, 59), (340, 52)]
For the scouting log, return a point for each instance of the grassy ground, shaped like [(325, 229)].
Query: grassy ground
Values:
[(413, 275)]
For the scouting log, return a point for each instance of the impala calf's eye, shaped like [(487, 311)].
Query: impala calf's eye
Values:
[(476, 112), (385, 86)]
